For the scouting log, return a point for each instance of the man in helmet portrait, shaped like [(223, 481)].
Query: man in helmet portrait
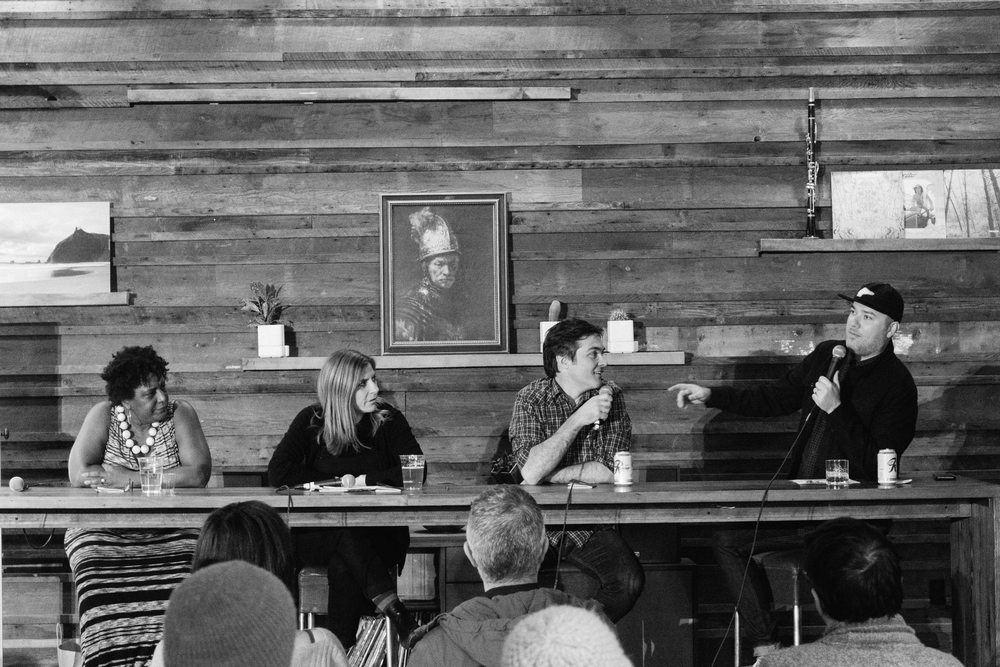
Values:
[(432, 310)]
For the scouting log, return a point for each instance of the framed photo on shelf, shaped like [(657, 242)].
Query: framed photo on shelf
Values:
[(444, 284), (926, 204)]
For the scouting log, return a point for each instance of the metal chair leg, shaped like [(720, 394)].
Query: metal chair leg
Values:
[(391, 644), (736, 639)]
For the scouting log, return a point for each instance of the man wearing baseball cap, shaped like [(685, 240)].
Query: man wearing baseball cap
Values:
[(850, 409)]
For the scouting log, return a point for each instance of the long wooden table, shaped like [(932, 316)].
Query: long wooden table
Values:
[(971, 507)]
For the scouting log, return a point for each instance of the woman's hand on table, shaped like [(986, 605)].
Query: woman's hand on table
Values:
[(106, 475)]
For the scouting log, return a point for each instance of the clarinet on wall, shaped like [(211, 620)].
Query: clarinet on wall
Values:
[(813, 167)]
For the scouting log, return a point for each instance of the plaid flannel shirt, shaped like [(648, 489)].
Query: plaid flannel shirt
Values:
[(542, 407)]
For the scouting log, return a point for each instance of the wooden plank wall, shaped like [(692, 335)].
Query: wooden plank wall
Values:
[(681, 147)]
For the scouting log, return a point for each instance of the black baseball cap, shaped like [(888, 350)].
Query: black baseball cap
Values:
[(881, 297)]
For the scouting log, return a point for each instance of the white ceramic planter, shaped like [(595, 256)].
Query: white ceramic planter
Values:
[(271, 341), (621, 336)]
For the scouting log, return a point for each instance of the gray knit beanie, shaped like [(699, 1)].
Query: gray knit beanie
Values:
[(563, 636), (231, 614)]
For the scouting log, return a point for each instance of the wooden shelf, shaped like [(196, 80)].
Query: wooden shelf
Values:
[(411, 361), (878, 245), (96, 299)]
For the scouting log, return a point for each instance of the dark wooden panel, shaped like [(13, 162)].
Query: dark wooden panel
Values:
[(573, 36), (347, 284), (204, 252), (921, 273), (126, 162), (544, 71), (59, 97), (358, 125)]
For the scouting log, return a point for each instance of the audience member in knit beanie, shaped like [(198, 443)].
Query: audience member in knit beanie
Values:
[(233, 614), (563, 636)]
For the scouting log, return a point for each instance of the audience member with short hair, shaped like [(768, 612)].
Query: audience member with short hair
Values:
[(231, 614), (255, 533), (563, 636), (506, 542), (858, 590)]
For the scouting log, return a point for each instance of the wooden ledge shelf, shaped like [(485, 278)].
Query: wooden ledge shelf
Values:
[(878, 245), (95, 299), (413, 361)]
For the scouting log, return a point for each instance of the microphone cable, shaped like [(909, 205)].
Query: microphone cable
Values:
[(756, 529), (48, 540), (289, 492), (562, 536)]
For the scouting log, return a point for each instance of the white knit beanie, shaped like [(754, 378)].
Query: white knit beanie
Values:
[(231, 614), (563, 636)]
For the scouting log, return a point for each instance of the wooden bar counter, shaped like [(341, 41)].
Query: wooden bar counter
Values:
[(969, 505)]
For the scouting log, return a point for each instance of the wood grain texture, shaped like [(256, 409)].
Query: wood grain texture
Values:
[(169, 39), (117, 9), (364, 125), (282, 194)]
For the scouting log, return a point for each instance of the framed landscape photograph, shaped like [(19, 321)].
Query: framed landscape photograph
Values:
[(444, 273), (55, 253), (926, 204)]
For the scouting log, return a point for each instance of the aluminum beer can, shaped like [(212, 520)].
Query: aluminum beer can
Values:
[(888, 471), (623, 469)]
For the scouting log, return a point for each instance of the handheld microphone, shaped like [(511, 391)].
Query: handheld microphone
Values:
[(348, 481), (18, 484), (605, 391), (838, 353)]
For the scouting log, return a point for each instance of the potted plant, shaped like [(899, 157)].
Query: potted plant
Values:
[(621, 332), (264, 309)]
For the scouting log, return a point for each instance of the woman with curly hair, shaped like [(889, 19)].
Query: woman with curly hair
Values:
[(125, 576)]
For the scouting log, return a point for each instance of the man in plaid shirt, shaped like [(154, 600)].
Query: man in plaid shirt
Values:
[(554, 437)]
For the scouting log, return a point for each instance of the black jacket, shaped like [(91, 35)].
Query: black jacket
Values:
[(299, 458), (878, 408)]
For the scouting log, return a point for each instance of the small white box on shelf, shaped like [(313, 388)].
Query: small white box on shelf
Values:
[(621, 336)]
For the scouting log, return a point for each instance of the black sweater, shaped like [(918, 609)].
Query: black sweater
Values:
[(299, 458), (878, 408)]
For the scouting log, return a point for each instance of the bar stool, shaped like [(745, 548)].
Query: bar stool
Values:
[(314, 598), (785, 574)]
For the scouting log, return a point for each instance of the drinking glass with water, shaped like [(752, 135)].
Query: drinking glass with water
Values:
[(837, 473), (413, 471), (151, 475)]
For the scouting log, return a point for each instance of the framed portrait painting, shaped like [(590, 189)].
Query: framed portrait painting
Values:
[(444, 273)]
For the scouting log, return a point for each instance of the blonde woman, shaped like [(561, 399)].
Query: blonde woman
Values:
[(350, 431)]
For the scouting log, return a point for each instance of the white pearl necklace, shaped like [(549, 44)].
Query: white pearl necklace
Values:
[(130, 443)]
